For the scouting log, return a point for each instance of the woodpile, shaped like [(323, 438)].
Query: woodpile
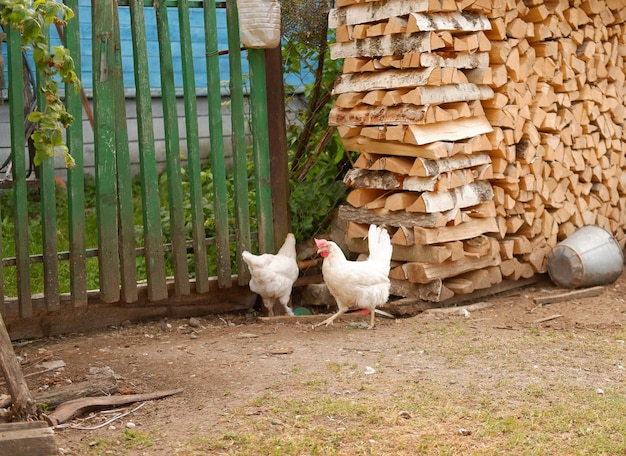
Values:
[(486, 132)]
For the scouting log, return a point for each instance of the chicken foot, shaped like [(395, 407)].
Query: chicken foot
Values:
[(329, 321)]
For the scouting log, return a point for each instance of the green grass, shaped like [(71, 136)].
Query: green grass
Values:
[(542, 422), (542, 407)]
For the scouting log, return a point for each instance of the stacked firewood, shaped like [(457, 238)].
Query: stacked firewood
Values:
[(558, 116), (487, 130)]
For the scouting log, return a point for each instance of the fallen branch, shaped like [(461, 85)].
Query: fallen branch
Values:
[(76, 407), (575, 294)]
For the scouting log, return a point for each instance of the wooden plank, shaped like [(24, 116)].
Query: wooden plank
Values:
[(218, 162), (104, 146), (240, 153), (47, 190), (198, 234), (150, 207), (172, 154), (35, 438), (127, 251), (75, 175)]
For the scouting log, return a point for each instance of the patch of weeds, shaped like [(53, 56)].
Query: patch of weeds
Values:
[(534, 390), (137, 439)]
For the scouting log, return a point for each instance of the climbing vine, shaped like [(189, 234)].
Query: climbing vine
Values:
[(55, 63)]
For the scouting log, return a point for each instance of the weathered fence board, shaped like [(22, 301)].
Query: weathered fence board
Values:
[(18, 143), (75, 175), (193, 150), (240, 170), (218, 165), (183, 247), (152, 233)]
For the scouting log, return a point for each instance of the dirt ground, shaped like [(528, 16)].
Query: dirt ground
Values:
[(225, 362)]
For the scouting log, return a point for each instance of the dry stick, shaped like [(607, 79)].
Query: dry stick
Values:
[(109, 421), (575, 294), (551, 317)]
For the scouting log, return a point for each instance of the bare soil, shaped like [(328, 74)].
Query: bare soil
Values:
[(225, 362)]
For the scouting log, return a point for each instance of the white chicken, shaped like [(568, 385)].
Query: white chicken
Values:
[(273, 276), (357, 284)]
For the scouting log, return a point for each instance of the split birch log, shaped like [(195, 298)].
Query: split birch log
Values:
[(372, 12)]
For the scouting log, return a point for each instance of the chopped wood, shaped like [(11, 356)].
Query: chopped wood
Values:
[(466, 230), (570, 295), (425, 167), (399, 219), (427, 272), (466, 21), (377, 11), (460, 197), (453, 130), (392, 79), (550, 96), (430, 292)]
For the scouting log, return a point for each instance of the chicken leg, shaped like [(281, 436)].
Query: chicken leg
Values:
[(329, 320)]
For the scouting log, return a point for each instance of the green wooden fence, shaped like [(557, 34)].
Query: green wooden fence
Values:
[(119, 245)]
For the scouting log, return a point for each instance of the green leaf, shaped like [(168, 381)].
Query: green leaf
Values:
[(35, 116)]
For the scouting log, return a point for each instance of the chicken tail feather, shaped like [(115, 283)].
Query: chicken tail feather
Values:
[(379, 244)]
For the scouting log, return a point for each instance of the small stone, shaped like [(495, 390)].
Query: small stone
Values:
[(130, 425), (277, 422), (194, 323)]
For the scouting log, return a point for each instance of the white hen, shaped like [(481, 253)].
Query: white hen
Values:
[(357, 284), (272, 276)]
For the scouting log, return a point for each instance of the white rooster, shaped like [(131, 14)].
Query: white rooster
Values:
[(272, 276), (357, 284)]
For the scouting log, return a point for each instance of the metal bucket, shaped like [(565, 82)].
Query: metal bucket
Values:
[(591, 256)]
